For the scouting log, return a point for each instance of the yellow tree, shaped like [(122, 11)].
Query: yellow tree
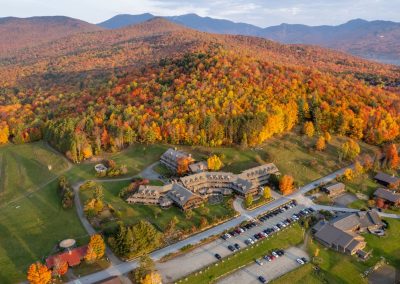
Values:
[(267, 192), (320, 145), (286, 184), (152, 278), (327, 137), (214, 163), (308, 129), (38, 274), (96, 248), (4, 133), (348, 174), (358, 168)]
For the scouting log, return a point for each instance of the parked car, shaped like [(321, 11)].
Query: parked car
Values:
[(236, 246), (262, 279), (274, 253), (231, 248), (217, 256), (299, 261), (304, 259), (259, 262)]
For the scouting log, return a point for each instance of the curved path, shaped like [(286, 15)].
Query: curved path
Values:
[(125, 267), (148, 173)]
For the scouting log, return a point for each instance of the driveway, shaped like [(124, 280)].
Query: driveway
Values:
[(269, 270), (345, 199)]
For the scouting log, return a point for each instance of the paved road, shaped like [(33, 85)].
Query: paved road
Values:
[(125, 267)]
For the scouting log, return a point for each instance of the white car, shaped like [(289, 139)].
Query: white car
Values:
[(275, 254), (299, 261), (228, 236)]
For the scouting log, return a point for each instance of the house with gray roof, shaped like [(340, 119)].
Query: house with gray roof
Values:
[(342, 232), (390, 197), (387, 180), (335, 189), (184, 198), (339, 240)]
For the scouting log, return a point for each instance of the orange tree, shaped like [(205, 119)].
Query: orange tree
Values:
[(392, 156), (38, 274), (286, 184), (320, 145), (60, 267)]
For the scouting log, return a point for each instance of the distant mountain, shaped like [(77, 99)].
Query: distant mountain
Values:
[(124, 20), (205, 24), (17, 33), (379, 40)]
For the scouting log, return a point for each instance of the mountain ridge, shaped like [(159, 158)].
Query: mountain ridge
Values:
[(375, 39)]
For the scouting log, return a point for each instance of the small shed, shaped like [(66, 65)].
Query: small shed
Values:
[(335, 189)]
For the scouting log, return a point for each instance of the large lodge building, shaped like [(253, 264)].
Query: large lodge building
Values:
[(190, 191)]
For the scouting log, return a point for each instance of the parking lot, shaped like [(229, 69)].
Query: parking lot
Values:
[(200, 257), (269, 270)]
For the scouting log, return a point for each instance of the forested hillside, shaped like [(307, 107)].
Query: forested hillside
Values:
[(17, 33), (160, 82)]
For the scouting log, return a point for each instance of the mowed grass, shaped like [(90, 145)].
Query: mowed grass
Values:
[(132, 213), (25, 168), (31, 228), (286, 238), (136, 158)]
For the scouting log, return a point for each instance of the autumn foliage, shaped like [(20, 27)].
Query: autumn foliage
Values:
[(286, 184), (320, 145), (60, 267), (214, 163), (96, 248), (38, 274), (392, 156), (192, 88), (152, 278)]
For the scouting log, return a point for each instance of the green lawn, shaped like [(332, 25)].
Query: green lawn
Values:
[(30, 230), (132, 213), (24, 168), (287, 238), (136, 158)]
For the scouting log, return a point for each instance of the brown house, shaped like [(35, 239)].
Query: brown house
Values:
[(335, 189), (387, 180), (341, 233), (390, 197), (184, 198)]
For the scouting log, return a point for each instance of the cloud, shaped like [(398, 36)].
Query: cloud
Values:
[(259, 12)]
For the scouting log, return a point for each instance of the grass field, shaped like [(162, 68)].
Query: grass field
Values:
[(24, 168), (132, 213), (136, 158), (31, 228), (287, 238)]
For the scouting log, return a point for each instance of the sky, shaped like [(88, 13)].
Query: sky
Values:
[(262, 13)]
